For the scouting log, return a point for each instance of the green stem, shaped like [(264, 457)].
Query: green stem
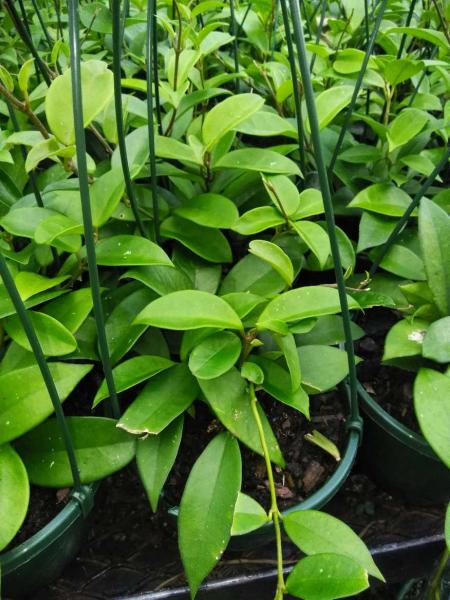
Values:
[(433, 592), (274, 512)]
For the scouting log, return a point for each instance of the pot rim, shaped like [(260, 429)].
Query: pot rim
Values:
[(393, 427), (79, 506)]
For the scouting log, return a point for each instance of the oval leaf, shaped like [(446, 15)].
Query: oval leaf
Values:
[(248, 515), (209, 210), (189, 309), (275, 257), (215, 355), (130, 251), (14, 494), (207, 508), (100, 448)]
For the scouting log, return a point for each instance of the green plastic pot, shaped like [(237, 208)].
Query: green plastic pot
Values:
[(323, 495), (40, 559), (400, 459)]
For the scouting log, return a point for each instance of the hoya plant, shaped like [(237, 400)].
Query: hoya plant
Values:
[(420, 341)]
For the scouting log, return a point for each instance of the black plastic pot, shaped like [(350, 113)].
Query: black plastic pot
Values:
[(322, 496), (398, 562), (401, 459), (40, 559)]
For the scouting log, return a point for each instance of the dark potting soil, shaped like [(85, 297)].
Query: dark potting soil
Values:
[(307, 466), (391, 387)]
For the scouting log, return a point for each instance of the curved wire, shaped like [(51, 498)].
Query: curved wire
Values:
[(75, 63)]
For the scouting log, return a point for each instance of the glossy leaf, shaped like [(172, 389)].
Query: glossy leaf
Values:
[(71, 309), (14, 494), (207, 242), (315, 238), (284, 193), (248, 515), (229, 398), (383, 198), (325, 577), (258, 219), (436, 344), (405, 339), (328, 330), (161, 279), (97, 91), (277, 383), (330, 103), (226, 115), (309, 301), (24, 399), (215, 355), (432, 406), (405, 126), (207, 508), (252, 372), (275, 257), (189, 309), (323, 367), (253, 275), (131, 372), (165, 397), (101, 449), (130, 250), (317, 532), (155, 455), (434, 235), (209, 210), (55, 339), (258, 159), (320, 440)]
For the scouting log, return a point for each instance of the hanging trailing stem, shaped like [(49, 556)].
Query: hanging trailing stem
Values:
[(274, 513)]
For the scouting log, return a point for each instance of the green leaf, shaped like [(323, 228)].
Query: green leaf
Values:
[(323, 367), (226, 115), (96, 17), (106, 193), (397, 71), (97, 91), (315, 238), (330, 103), (404, 339), (320, 440), (275, 257), (215, 355), (258, 219), (252, 372), (277, 383), (130, 250), (208, 243), (163, 280), (56, 227), (24, 399), (48, 148), (29, 284), (72, 309), (55, 339), (229, 398), (267, 124), (253, 275), (326, 576), (248, 515), (207, 508), (402, 261), (14, 494), (328, 330), (436, 344), (317, 532), (100, 448), (311, 203), (243, 303), (430, 35), (286, 344), (434, 235), (131, 372), (383, 198), (283, 192), (209, 210), (155, 455), (138, 151), (405, 126), (165, 397), (447, 526), (203, 275), (121, 331), (24, 221), (374, 230), (189, 309), (432, 406), (301, 303), (360, 154), (258, 159), (167, 147)]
